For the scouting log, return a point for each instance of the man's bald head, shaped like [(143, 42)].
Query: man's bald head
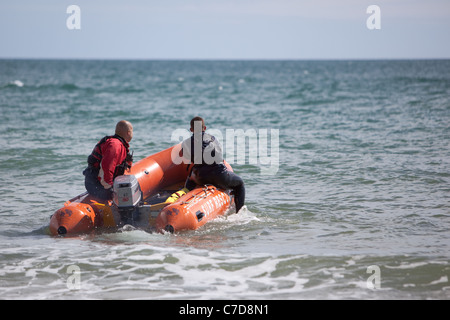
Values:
[(125, 130)]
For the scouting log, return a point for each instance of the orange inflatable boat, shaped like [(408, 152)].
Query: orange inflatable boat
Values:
[(146, 197)]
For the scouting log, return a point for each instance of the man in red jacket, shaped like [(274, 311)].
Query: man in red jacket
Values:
[(109, 159)]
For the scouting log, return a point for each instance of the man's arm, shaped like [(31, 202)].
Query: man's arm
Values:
[(111, 152)]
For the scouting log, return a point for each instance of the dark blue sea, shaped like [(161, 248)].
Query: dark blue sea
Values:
[(346, 166)]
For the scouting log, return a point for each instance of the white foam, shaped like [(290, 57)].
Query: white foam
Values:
[(244, 216), (18, 83)]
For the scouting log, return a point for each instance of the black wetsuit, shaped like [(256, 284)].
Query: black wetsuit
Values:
[(209, 168)]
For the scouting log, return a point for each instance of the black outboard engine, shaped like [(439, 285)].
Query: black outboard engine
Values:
[(127, 197)]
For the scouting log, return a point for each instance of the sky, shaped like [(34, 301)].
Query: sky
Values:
[(225, 29)]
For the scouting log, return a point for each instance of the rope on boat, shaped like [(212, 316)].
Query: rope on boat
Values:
[(205, 190)]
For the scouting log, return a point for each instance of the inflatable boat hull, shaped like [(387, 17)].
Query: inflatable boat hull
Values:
[(193, 210), (155, 174)]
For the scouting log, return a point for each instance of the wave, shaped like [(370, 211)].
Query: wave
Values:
[(73, 87), (20, 84), (14, 84), (69, 87)]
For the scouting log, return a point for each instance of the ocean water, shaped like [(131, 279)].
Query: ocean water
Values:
[(356, 206)]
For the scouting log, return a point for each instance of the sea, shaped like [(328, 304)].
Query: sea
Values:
[(346, 166)]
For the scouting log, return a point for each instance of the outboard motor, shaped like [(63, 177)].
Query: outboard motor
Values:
[(127, 197)]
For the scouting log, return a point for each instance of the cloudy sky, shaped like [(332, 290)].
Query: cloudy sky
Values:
[(225, 29)]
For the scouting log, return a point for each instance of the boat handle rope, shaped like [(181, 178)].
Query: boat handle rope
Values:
[(205, 190)]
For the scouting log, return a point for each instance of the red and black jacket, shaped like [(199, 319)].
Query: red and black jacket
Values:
[(111, 156)]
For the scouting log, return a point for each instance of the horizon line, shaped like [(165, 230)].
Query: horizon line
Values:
[(224, 59)]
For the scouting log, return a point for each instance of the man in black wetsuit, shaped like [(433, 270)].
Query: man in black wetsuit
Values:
[(206, 153)]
